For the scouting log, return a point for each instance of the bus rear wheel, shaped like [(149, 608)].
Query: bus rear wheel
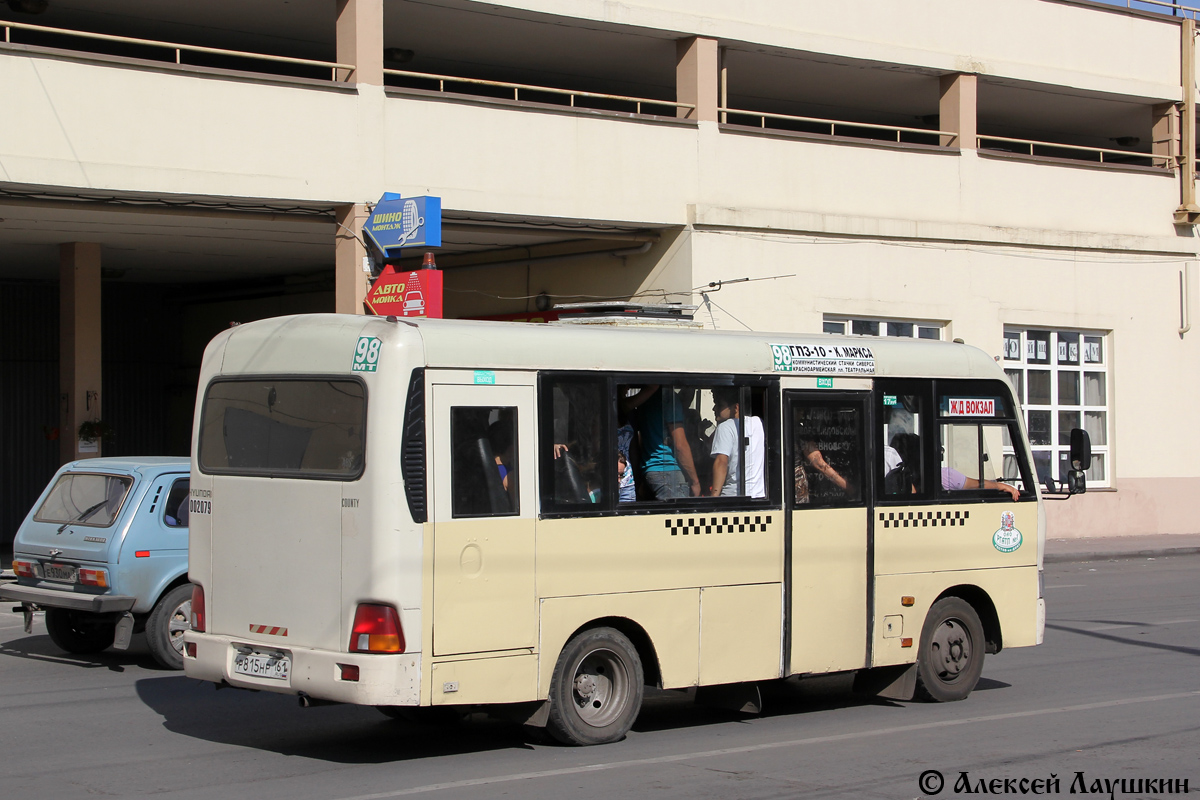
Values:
[(596, 691), (950, 658)]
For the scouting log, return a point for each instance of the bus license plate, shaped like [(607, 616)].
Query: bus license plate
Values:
[(59, 572), (259, 665)]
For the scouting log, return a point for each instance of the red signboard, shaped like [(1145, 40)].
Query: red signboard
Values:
[(407, 294)]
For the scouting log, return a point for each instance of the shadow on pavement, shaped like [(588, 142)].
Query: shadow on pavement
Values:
[(1108, 637), (349, 734), (37, 647), (344, 734)]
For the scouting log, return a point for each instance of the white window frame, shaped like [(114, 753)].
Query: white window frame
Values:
[(847, 323), (1058, 360)]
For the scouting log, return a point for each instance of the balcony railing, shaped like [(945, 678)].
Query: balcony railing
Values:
[(1094, 154), (517, 88), (833, 124), (1176, 9), (178, 49)]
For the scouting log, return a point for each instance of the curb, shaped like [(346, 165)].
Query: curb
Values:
[(1060, 558)]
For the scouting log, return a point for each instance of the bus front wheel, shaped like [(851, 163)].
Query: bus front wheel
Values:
[(596, 691), (950, 658)]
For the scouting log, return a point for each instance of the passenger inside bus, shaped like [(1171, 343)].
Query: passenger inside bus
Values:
[(902, 465), (667, 462), (727, 448), (904, 478), (626, 484), (809, 457)]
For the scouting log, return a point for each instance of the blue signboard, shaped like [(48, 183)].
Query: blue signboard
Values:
[(399, 222)]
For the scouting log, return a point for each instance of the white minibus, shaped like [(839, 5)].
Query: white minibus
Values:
[(544, 519)]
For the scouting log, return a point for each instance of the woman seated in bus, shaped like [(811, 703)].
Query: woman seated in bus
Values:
[(726, 448)]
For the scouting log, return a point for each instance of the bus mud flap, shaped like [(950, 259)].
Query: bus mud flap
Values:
[(895, 683), (534, 714)]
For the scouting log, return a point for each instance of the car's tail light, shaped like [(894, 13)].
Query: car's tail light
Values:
[(24, 569), (93, 577), (376, 630), (189, 649), (198, 620), (349, 672)]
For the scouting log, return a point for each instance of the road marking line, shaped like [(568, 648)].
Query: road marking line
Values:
[(841, 737), (1068, 586)]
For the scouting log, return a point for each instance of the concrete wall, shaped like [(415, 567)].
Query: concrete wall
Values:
[(67, 124)]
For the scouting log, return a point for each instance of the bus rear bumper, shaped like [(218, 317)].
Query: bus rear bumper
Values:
[(383, 680)]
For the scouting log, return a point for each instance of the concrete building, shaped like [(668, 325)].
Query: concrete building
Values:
[(1018, 174)]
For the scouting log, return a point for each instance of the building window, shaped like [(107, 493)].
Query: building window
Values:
[(1061, 379), (904, 329)]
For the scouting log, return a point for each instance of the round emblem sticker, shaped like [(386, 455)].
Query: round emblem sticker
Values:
[(1008, 538)]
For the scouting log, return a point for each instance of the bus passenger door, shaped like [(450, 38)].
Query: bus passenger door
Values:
[(827, 493), (483, 503)]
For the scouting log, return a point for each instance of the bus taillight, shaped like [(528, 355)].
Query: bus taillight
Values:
[(198, 622), (376, 630)]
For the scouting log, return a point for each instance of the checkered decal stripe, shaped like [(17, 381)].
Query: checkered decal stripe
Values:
[(923, 519), (695, 526)]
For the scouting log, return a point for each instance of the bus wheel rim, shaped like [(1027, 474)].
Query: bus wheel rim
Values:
[(600, 688), (951, 649)]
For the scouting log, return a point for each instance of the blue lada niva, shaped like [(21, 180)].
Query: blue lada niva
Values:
[(104, 553)]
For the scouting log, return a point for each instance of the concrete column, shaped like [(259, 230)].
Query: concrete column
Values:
[(79, 371), (1188, 212), (360, 40), (1165, 132), (697, 69), (958, 111), (350, 280)]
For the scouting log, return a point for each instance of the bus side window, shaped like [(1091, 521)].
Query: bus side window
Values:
[(575, 442), (828, 443), (483, 474), (900, 456)]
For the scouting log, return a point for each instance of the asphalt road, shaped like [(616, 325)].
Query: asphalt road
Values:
[(1113, 693)]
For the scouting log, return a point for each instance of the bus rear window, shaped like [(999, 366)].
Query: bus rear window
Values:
[(297, 428)]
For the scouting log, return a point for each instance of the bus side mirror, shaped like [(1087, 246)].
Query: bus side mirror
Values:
[(1081, 459)]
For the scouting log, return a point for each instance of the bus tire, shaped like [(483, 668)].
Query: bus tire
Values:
[(950, 656), (596, 690), (79, 632), (170, 617)]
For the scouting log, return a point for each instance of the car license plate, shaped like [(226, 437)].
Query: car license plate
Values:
[(261, 665), (59, 572)]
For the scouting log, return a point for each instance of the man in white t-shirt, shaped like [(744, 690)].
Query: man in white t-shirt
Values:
[(726, 451)]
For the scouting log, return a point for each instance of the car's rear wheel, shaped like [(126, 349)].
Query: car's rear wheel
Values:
[(164, 630), (78, 631)]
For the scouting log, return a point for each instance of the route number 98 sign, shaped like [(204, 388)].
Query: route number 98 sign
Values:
[(366, 354), (824, 358)]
